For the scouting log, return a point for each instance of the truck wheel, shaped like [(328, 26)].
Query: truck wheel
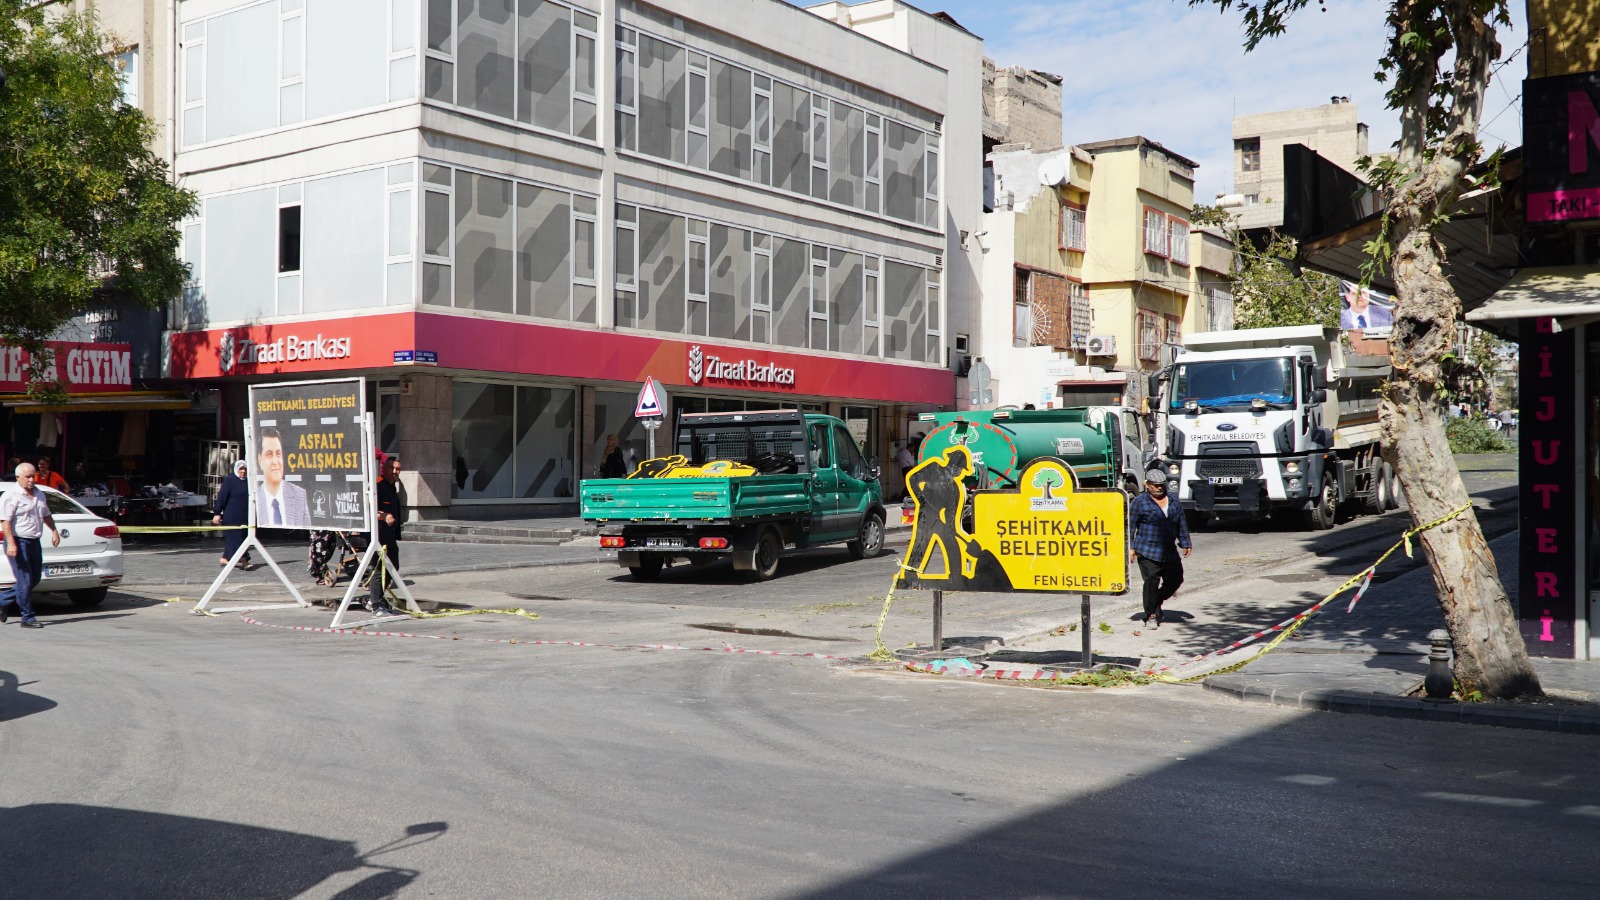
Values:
[(768, 549), (87, 597), (870, 544), (1378, 500), (649, 566), (1324, 512), (1394, 486)]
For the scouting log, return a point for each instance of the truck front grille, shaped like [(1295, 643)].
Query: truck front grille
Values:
[(1233, 459)]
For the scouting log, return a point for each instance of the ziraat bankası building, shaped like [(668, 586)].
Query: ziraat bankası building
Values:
[(550, 202)]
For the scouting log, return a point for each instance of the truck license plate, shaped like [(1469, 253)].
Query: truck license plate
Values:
[(69, 569), (664, 543), (1227, 479)]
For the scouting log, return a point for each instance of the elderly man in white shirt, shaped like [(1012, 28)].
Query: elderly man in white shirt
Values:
[(24, 515)]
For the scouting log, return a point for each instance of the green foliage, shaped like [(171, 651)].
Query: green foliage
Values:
[(1105, 628), (84, 204), (1266, 294), (1105, 676), (1473, 435), (1204, 214)]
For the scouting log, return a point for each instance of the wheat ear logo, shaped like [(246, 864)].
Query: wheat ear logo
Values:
[(697, 364)]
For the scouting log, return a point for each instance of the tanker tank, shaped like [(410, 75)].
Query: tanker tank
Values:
[(1004, 442)]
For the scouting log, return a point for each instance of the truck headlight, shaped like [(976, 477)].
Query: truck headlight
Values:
[(1294, 484), (1173, 469), (1291, 467)]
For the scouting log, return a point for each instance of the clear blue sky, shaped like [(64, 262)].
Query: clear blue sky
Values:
[(1178, 75)]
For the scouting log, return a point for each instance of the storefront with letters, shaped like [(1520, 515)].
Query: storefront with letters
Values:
[(494, 416)]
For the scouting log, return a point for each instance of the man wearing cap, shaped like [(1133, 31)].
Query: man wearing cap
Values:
[(233, 508), (1159, 529)]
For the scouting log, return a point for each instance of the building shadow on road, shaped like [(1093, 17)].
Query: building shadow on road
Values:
[(62, 850), (15, 703)]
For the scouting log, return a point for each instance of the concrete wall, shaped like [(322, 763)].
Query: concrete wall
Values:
[(1562, 38), (1025, 104), (1333, 130)]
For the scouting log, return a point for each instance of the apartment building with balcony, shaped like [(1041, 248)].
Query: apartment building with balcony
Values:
[(555, 200)]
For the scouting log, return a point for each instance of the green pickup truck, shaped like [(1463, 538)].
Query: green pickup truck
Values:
[(745, 486)]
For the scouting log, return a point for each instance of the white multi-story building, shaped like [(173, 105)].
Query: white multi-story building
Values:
[(744, 200)]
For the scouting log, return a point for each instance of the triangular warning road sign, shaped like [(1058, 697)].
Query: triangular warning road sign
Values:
[(649, 401)]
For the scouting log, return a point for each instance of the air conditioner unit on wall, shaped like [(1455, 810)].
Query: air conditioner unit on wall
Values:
[(1101, 345)]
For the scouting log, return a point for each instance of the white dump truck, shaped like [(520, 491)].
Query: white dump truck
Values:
[(1272, 421)]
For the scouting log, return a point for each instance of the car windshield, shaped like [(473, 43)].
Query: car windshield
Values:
[(1232, 383)]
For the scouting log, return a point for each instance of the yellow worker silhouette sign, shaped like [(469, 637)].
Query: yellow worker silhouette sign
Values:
[(1046, 535)]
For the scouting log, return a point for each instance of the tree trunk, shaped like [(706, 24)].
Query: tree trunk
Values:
[(1489, 651)]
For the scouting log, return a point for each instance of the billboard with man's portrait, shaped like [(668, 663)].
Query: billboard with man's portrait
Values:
[(1365, 310), (309, 468)]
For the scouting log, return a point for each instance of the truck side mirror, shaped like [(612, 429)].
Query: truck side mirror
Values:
[(1153, 385), (1319, 396), (874, 469), (1319, 380)]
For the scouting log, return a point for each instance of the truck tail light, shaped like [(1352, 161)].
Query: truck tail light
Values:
[(108, 531), (613, 540), (713, 543)]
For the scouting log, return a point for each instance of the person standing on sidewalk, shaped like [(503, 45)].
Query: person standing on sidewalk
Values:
[(24, 515), (389, 522), (233, 508), (1159, 529)]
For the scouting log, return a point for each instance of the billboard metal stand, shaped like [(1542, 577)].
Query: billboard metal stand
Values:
[(370, 490), (251, 541)]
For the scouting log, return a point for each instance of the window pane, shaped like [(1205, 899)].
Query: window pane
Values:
[(438, 79), (440, 20), (289, 239), (791, 168), (436, 224), (194, 72), (625, 77), (584, 76), (402, 25), (544, 442), (481, 435), (763, 117), (730, 120), (697, 100), (293, 53), (400, 223), (435, 284), (544, 46), (483, 257), (697, 268), (544, 229), (729, 287), (486, 79), (663, 108), (583, 262), (625, 254)]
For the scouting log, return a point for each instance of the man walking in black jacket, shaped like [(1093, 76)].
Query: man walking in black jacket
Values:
[(389, 522)]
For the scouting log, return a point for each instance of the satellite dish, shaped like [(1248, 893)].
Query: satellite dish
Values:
[(1053, 172)]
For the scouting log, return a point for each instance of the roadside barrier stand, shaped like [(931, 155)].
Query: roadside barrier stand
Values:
[(1292, 624)]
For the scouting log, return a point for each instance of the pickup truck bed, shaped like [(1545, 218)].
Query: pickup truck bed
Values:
[(731, 500)]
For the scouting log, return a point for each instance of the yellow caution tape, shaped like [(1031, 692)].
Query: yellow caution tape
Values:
[(1302, 618)]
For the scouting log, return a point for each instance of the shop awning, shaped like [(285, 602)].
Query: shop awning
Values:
[(1565, 292), (120, 401)]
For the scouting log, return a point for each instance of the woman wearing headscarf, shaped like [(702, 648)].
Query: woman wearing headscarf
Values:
[(233, 508)]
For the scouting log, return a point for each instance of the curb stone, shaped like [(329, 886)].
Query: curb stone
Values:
[(1558, 719)]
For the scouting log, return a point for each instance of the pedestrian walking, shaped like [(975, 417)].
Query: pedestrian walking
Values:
[(233, 508), (906, 461), (1159, 530), (24, 515), (1508, 422), (390, 517)]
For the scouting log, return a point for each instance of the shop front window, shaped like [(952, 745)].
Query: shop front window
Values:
[(512, 442)]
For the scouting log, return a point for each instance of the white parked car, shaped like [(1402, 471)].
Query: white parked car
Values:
[(89, 559)]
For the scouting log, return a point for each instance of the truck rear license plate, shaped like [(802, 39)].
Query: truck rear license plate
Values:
[(664, 543), (69, 569), (1226, 479)]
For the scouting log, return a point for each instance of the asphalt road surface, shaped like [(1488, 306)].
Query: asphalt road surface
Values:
[(153, 753)]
